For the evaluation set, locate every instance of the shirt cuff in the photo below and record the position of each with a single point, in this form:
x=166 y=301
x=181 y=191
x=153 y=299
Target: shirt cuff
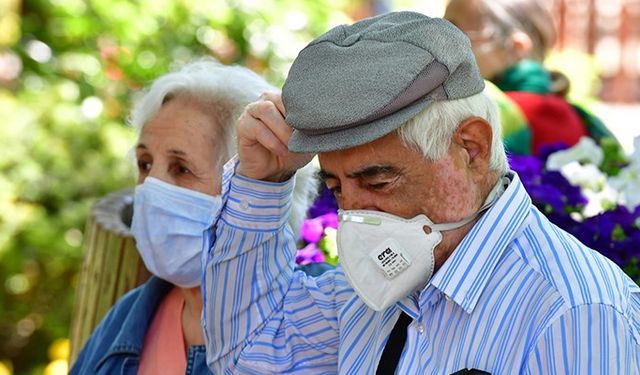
x=254 y=204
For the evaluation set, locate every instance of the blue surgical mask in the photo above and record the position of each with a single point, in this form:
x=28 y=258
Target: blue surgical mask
x=172 y=226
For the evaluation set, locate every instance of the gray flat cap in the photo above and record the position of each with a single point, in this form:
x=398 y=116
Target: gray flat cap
x=357 y=83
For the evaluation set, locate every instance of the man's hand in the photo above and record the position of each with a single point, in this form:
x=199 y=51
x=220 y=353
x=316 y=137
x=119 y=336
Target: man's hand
x=262 y=142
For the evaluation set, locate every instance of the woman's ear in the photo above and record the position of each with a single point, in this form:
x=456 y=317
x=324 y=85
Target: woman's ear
x=475 y=137
x=522 y=44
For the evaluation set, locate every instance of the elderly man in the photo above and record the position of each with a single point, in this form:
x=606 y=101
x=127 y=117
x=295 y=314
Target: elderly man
x=446 y=266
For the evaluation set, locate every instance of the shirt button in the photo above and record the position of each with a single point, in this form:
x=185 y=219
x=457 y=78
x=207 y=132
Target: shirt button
x=447 y=298
x=244 y=204
x=420 y=328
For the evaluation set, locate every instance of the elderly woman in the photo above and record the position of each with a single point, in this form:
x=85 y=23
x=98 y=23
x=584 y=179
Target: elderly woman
x=186 y=134
x=510 y=39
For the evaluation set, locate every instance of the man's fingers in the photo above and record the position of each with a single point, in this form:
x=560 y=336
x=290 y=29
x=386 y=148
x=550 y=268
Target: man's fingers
x=252 y=131
x=276 y=99
x=265 y=136
x=267 y=112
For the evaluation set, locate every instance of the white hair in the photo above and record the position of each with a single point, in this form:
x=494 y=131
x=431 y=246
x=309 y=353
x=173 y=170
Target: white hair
x=227 y=90
x=432 y=129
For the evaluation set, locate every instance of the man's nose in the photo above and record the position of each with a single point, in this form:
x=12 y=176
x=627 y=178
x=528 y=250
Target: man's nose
x=354 y=198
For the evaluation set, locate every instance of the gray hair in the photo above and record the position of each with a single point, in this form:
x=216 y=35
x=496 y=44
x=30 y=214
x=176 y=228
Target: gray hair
x=504 y=17
x=432 y=129
x=227 y=89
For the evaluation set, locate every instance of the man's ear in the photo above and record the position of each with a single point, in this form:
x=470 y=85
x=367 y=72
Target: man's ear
x=474 y=135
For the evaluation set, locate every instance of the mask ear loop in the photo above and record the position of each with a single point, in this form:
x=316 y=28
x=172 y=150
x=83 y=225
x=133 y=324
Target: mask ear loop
x=492 y=198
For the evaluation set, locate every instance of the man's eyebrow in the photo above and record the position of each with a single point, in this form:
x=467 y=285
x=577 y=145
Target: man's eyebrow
x=374 y=170
x=324 y=175
x=141 y=146
x=370 y=171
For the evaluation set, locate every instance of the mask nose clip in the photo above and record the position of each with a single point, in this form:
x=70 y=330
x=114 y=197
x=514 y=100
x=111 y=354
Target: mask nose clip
x=361 y=219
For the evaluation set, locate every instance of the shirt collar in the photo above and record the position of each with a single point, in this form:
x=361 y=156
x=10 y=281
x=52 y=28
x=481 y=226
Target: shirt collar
x=464 y=276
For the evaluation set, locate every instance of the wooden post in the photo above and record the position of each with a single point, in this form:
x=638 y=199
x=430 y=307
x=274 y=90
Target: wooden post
x=111 y=266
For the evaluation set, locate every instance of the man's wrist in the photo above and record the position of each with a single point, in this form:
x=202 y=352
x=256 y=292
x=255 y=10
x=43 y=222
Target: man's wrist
x=277 y=178
x=258 y=204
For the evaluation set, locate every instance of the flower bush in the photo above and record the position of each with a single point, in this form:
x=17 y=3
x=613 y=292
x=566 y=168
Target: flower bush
x=317 y=242
x=591 y=191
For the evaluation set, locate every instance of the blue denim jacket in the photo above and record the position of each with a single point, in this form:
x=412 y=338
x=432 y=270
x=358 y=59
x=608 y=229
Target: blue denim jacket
x=116 y=344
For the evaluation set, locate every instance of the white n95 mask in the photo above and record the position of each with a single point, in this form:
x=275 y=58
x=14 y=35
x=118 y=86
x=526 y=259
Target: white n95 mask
x=172 y=226
x=386 y=257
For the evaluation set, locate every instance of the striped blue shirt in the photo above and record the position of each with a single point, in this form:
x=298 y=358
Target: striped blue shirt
x=517 y=296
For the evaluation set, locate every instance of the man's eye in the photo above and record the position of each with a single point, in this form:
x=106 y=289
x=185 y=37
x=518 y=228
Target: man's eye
x=377 y=185
x=183 y=170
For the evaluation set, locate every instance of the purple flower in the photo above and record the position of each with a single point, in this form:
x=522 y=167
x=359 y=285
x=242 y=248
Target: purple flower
x=585 y=231
x=550 y=148
x=566 y=222
x=312 y=230
x=309 y=254
x=324 y=203
x=529 y=168
x=624 y=217
x=321 y=215
x=604 y=224
x=329 y=220
x=572 y=194
x=632 y=246
x=547 y=198
x=613 y=233
x=550 y=191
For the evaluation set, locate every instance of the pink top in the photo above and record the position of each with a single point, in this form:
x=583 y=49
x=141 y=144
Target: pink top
x=163 y=350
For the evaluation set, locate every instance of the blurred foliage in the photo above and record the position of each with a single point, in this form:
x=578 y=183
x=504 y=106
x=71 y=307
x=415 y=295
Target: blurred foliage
x=68 y=69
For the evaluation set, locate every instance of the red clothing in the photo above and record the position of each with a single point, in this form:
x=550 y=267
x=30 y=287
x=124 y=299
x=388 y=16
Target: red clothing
x=551 y=118
x=163 y=350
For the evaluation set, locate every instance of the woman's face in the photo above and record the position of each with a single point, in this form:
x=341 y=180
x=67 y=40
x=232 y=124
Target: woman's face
x=492 y=56
x=182 y=146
